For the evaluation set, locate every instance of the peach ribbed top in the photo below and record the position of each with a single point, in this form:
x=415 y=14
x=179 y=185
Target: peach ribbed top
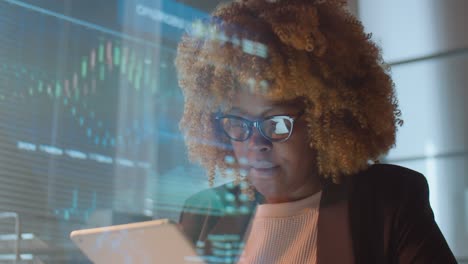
x=283 y=233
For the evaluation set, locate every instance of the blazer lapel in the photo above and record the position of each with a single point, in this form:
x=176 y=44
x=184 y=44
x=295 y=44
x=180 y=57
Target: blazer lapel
x=334 y=242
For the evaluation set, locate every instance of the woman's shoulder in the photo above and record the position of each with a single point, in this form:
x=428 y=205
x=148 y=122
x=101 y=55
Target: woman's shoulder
x=403 y=194
x=394 y=185
x=389 y=176
x=391 y=172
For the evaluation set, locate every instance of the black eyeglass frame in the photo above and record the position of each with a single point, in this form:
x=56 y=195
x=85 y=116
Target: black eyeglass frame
x=256 y=124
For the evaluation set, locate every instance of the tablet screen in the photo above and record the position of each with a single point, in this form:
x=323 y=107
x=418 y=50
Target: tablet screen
x=158 y=241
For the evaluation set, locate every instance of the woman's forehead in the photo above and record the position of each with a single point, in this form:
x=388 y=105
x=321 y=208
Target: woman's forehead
x=250 y=104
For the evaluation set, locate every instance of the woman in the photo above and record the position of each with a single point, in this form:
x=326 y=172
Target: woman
x=291 y=99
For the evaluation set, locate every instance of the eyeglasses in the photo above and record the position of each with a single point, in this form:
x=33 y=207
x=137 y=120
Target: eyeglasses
x=277 y=128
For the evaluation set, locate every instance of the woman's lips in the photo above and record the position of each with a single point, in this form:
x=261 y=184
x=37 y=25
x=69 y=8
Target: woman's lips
x=265 y=170
x=263 y=174
x=262 y=164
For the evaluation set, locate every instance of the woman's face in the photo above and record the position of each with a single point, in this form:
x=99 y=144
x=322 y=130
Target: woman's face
x=280 y=171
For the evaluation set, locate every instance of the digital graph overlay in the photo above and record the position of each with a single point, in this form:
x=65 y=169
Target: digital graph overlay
x=62 y=86
x=84 y=83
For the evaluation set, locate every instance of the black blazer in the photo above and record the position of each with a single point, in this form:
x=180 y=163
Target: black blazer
x=381 y=215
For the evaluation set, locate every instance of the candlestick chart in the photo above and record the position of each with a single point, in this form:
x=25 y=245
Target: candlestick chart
x=78 y=106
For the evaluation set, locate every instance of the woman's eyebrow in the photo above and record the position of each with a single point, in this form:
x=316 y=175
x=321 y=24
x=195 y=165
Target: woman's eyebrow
x=279 y=108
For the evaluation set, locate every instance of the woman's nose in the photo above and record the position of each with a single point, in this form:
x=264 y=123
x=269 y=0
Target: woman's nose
x=257 y=142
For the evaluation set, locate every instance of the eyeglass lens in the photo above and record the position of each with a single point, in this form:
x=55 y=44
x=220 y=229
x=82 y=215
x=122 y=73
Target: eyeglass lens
x=274 y=128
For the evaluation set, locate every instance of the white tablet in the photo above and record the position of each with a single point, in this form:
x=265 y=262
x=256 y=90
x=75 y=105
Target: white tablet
x=158 y=241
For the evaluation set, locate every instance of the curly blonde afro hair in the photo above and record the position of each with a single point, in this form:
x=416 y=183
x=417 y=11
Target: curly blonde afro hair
x=284 y=50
